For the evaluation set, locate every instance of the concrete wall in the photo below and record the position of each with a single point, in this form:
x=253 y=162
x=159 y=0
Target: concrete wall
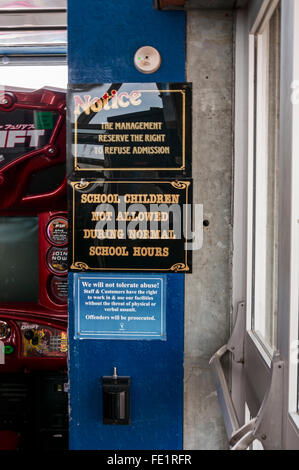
x=207 y=305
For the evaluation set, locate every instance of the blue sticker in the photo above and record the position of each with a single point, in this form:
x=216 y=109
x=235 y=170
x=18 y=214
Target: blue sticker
x=121 y=306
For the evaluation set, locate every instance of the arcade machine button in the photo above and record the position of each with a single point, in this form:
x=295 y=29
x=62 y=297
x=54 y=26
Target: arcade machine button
x=8 y=349
x=35 y=341
x=29 y=334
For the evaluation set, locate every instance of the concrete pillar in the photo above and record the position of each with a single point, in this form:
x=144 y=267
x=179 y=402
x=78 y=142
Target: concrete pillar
x=207 y=305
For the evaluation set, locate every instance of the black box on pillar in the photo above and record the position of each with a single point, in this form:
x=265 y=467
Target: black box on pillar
x=116 y=399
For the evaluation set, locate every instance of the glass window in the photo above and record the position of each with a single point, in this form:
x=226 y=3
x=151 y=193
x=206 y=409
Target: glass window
x=265 y=236
x=33 y=76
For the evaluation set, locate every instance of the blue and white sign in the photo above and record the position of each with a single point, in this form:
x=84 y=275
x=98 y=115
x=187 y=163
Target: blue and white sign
x=121 y=306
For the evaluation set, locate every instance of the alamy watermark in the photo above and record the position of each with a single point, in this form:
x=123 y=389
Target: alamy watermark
x=294 y=352
x=295 y=92
x=136 y=222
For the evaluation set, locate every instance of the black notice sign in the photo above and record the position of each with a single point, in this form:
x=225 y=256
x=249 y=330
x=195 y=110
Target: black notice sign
x=131 y=130
x=131 y=226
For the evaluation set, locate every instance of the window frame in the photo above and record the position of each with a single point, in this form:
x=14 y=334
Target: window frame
x=289 y=230
x=257 y=357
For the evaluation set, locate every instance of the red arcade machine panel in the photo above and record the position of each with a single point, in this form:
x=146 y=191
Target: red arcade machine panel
x=32 y=345
x=33 y=272
x=33 y=228
x=32 y=148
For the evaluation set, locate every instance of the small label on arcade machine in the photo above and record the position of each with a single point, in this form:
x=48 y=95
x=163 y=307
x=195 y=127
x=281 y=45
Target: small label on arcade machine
x=59 y=289
x=57 y=260
x=57 y=231
x=44 y=120
x=42 y=341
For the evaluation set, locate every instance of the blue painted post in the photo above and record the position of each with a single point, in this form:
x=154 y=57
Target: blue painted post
x=103 y=38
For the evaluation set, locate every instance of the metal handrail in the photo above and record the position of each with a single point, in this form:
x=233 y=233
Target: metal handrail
x=235 y=345
x=229 y=413
x=266 y=426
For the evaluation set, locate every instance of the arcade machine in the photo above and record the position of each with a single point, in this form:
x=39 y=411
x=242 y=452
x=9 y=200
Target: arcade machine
x=33 y=270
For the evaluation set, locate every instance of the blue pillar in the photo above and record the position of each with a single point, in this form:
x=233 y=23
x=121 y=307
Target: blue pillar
x=103 y=38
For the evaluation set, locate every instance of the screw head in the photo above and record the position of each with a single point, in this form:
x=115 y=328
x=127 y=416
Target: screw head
x=51 y=150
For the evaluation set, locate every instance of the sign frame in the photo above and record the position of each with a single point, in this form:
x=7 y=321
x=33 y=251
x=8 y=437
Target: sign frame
x=159 y=334
x=183 y=169
x=180 y=266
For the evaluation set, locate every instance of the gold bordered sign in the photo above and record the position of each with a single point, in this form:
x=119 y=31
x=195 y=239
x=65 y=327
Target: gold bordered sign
x=125 y=129
x=131 y=225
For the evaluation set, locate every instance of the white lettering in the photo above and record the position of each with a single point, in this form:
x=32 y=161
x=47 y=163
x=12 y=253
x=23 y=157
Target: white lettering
x=15 y=137
x=9 y=139
x=34 y=137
